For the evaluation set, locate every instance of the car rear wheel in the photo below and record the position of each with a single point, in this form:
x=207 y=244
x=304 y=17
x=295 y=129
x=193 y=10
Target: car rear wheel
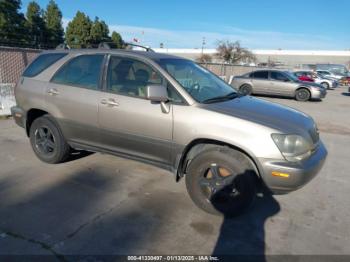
x=47 y=141
x=302 y=94
x=325 y=85
x=245 y=90
x=221 y=181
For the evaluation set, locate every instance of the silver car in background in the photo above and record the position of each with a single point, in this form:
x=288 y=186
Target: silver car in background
x=280 y=83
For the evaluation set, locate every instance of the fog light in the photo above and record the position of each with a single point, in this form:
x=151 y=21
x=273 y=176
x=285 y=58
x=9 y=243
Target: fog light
x=284 y=175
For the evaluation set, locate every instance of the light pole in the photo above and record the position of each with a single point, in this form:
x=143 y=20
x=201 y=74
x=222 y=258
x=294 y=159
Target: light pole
x=203 y=44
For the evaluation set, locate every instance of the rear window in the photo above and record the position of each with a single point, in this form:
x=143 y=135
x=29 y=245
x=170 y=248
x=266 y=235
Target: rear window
x=41 y=63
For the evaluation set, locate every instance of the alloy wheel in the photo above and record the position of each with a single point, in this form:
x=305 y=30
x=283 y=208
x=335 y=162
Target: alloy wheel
x=45 y=141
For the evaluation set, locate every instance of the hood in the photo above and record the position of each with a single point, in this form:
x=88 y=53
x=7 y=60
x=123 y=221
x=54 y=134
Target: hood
x=282 y=118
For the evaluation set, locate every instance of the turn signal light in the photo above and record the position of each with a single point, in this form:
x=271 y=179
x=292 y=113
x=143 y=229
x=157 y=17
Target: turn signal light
x=284 y=175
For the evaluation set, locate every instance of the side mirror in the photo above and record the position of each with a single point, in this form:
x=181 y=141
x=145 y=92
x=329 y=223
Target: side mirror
x=157 y=93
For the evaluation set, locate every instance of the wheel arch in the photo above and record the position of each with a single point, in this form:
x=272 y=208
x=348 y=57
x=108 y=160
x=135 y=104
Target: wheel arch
x=246 y=84
x=198 y=145
x=33 y=114
x=302 y=87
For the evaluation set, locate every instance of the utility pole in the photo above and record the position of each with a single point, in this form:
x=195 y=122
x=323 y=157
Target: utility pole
x=203 y=44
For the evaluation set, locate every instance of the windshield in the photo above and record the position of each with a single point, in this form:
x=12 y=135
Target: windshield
x=201 y=84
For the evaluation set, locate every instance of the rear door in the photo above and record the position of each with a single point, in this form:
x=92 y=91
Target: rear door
x=73 y=96
x=261 y=82
x=130 y=124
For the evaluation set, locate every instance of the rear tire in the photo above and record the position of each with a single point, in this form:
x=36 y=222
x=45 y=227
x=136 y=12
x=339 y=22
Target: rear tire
x=245 y=90
x=47 y=141
x=302 y=94
x=221 y=181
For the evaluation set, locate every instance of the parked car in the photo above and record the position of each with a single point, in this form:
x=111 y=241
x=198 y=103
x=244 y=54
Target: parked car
x=317 y=78
x=276 y=82
x=169 y=112
x=339 y=70
x=329 y=74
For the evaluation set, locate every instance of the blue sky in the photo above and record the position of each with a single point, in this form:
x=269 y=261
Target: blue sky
x=258 y=24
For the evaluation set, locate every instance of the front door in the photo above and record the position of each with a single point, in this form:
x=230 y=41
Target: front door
x=130 y=124
x=282 y=84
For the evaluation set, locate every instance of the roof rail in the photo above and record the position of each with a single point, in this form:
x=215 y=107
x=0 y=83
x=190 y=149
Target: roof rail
x=62 y=47
x=148 y=49
x=111 y=45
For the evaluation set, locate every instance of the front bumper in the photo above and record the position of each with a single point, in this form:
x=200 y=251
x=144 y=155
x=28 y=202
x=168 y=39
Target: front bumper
x=300 y=173
x=318 y=94
x=19 y=116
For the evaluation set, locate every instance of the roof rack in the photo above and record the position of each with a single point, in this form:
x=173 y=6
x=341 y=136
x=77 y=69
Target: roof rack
x=62 y=47
x=111 y=45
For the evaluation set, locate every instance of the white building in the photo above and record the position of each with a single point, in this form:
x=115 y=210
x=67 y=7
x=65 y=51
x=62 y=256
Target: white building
x=287 y=57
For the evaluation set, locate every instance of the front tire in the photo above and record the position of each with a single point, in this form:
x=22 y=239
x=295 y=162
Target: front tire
x=302 y=94
x=47 y=141
x=325 y=85
x=221 y=181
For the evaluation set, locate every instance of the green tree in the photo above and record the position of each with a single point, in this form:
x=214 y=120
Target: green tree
x=53 y=21
x=99 y=32
x=35 y=24
x=78 y=31
x=12 y=22
x=117 y=40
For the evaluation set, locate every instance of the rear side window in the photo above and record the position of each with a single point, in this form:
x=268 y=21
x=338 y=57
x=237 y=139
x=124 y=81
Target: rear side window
x=261 y=75
x=82 y=71
x=41 y=63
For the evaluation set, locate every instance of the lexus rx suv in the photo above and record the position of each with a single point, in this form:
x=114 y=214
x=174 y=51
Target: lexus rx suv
x=171 y=113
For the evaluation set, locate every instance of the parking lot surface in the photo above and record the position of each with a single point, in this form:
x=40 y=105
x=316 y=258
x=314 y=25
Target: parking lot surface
x=101 y=204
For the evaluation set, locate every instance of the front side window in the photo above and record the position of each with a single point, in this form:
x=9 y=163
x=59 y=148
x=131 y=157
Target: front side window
x=83 y=71
x=41 y=63
x=131 y=77
x=127 y=76
x=279 y=76
x=201 y=84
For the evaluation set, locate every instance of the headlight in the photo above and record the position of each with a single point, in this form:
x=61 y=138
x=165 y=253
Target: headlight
x=293 y=147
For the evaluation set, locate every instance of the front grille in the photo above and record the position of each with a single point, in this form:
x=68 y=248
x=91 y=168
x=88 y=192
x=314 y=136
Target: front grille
x=315 y=136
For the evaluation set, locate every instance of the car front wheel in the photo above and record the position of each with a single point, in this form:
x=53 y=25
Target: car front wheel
x=325 y=85
x=221 y=181
x=302 y=94
x=47 y=141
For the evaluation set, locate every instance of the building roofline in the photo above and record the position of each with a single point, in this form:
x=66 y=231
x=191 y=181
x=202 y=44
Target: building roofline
x=257 y=52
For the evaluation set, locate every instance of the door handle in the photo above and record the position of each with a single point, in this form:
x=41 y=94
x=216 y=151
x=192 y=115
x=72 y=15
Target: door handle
x=109 y=102
x=53 y=92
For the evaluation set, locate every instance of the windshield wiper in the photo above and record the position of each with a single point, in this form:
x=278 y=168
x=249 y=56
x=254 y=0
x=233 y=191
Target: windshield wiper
x=221 y=98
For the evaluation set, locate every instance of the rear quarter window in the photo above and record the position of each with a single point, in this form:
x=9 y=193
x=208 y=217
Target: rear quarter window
x=41 y=63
